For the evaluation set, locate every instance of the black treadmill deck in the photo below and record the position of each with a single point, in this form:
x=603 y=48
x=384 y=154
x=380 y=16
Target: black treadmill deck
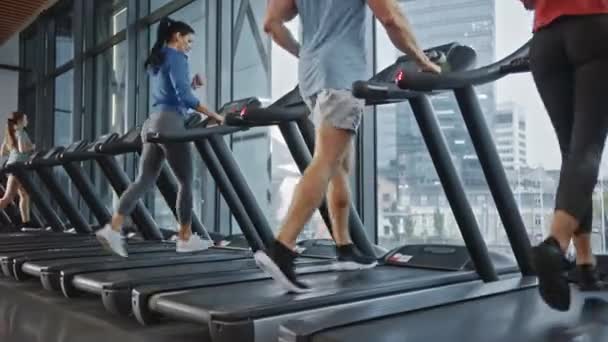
x=517 y=316
x=261 y=298
x=111 y=280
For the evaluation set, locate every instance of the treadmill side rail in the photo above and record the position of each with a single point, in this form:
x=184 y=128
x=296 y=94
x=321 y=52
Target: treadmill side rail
x=304 y=328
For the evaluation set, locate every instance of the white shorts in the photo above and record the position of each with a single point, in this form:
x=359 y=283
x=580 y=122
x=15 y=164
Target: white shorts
x=338 y=108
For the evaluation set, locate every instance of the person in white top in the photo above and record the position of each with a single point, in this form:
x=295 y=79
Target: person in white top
x=18 y=146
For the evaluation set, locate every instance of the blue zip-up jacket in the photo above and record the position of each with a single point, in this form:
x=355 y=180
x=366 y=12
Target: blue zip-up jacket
x=171 y=84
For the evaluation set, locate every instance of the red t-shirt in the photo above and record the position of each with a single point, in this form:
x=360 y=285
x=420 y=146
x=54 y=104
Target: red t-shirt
x=549 y=10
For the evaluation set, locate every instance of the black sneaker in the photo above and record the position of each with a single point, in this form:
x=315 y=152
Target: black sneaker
x=279 y=264
x=350 y=259
x=553 y=285
x=589 y=278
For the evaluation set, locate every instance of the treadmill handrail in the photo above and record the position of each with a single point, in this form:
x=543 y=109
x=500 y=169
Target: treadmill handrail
x=115 y=148
x=192 y=134
x=379 y=93
x=49 y=158
x=424 y=81
x=268 y=116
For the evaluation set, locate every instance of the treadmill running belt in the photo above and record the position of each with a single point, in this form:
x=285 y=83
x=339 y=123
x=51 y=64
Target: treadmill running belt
x=516 y=316
x=97 y=281
x=264 y=298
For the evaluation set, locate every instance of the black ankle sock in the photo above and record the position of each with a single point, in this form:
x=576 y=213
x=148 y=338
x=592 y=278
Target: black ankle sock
x=345 y=248
x=553 y=242
x=279 y=249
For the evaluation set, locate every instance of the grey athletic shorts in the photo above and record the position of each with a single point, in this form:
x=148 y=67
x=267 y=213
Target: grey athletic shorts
x=339 y=108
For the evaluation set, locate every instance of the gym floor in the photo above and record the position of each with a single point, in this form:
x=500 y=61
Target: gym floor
x=30 y=314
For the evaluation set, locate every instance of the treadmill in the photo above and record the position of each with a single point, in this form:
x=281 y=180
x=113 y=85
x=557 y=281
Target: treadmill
x=10 y=219
x=55 y=245
x=388 y=322
x=517 y=316
x=115 y=285
x=252 y=311
x=49 y=249
x=57 y=274
x=242 y=115
x=58 y=233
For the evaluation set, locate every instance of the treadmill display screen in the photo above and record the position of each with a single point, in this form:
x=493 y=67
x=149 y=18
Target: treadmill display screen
x=239 y=105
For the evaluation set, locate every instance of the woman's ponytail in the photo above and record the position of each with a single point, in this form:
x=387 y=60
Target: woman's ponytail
x=163 y=34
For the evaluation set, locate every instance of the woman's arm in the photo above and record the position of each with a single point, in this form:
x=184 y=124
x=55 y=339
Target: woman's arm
x=213 y=115
x=24 y=145
x=179 y=75
x=4 y=148
x=179 y=72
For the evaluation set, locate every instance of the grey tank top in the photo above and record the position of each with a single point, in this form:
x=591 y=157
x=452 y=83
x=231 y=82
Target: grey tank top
x=333 y=53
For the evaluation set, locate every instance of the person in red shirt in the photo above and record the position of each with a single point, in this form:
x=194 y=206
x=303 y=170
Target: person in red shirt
x=569 y=63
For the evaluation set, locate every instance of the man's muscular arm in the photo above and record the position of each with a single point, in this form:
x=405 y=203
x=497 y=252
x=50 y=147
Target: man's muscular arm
x=277 y=14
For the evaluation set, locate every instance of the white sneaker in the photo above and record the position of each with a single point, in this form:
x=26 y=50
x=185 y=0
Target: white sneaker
x=194 y=244
x=112 y=240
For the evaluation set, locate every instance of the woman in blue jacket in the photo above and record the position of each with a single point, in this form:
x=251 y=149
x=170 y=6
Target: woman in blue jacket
x=168 y=68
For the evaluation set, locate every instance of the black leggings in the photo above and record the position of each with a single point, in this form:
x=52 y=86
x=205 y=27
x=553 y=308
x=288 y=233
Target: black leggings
x=569 y=61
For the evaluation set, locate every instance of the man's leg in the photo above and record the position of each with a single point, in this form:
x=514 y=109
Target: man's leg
x=330 y=148
x=338 y=198
x=331 y=144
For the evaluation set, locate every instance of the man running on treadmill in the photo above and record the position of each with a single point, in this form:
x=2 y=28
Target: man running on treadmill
x=332 y=56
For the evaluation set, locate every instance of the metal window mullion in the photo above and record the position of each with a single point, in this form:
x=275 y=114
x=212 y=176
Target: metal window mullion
x=365 y=175
x=131 y=107
x=48 y=119
x=224 y=84
x=77 y=110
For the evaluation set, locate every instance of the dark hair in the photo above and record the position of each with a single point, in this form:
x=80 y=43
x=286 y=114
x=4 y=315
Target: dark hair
x=14 y=120
x=166 y=29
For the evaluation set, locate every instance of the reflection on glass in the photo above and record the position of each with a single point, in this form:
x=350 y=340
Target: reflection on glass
x=64 y=37
x=195 y=14
x=30 y=53
x=29 y=107
x=110 y=18
x=109 y=116
x=63 y=109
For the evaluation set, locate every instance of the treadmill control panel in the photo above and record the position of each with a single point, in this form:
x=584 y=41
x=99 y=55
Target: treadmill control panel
x=239 y=106
x=441 y=257
x=404 y=64
x=521 y=64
